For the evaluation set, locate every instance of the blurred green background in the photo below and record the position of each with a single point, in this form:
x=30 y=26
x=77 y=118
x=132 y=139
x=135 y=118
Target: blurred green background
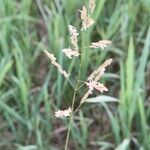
x=31 y=89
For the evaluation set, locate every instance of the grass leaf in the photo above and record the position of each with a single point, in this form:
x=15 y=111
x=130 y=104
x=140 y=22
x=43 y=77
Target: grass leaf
x=101 y=99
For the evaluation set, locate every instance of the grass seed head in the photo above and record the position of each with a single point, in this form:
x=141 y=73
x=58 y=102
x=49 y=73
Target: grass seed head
x=73 y=36
x=100 y=44
x=97 y=74
x=63 y=113
x=86 y=20
x=70 y=53
x=53 y=61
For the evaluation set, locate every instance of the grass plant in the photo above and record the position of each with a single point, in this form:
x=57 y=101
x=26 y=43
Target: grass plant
x=31 y=89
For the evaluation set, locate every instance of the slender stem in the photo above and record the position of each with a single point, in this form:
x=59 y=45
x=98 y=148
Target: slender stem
x=68 y=133
x=77 y=108
x=71 y=120
x=79 y=71
x=81 y=85
x=71 y=84
x=73 y=102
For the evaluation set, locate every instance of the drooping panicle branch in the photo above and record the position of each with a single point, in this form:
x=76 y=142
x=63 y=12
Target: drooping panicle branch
x=53 y=61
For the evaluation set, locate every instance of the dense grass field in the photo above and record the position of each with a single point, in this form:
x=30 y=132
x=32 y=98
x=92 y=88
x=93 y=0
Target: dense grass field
x=31 y=88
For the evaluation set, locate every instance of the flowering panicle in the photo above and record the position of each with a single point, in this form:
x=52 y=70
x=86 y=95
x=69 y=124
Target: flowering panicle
x=63 y=113
x=96 y=75
x=93 y=80
x=70 y=53
x=93 y=85
x=74 y=41
x=100 y=44
x=86 y=20
x=53 y=61
x=73 y=36
x=92 y=5
x=98 y=86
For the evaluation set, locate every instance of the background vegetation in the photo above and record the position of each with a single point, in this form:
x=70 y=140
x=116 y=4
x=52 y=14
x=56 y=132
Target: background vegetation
x=31 y=89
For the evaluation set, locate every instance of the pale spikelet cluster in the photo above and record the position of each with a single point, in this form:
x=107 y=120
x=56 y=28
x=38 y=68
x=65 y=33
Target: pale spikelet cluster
x=86 y=20
x=63 y=113
x=92 y=5
x=70 y=53
x=93 y=80
x=73 y=36
x=53 y=61
x=74 y=41
x=97 y=74
x=100 y=44
x=96 y=85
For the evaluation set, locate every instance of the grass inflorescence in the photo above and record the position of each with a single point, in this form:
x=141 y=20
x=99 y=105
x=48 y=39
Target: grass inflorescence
x=32 y=89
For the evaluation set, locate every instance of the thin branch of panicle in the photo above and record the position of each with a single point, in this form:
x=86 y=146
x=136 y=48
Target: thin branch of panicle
x=53 y=61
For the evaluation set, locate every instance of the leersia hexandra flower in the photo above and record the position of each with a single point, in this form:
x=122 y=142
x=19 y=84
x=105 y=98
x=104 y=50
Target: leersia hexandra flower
x=83 y=13
x=100 y=71
x=63 y=113
x=73 y=36
x=51 y=56
x=91 y=85
x=100 y=44
x=73 y=30
x=98 y=86
x=53 y=61
x=93 y=81
x=70 y=53
x=86 y=20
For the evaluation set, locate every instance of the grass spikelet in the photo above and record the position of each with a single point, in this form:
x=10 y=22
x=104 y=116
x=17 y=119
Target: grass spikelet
x=53 y=61
x=70 y=53
x=63 y=113
x=73 y=36
x=100 y=44
x=86 y=20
